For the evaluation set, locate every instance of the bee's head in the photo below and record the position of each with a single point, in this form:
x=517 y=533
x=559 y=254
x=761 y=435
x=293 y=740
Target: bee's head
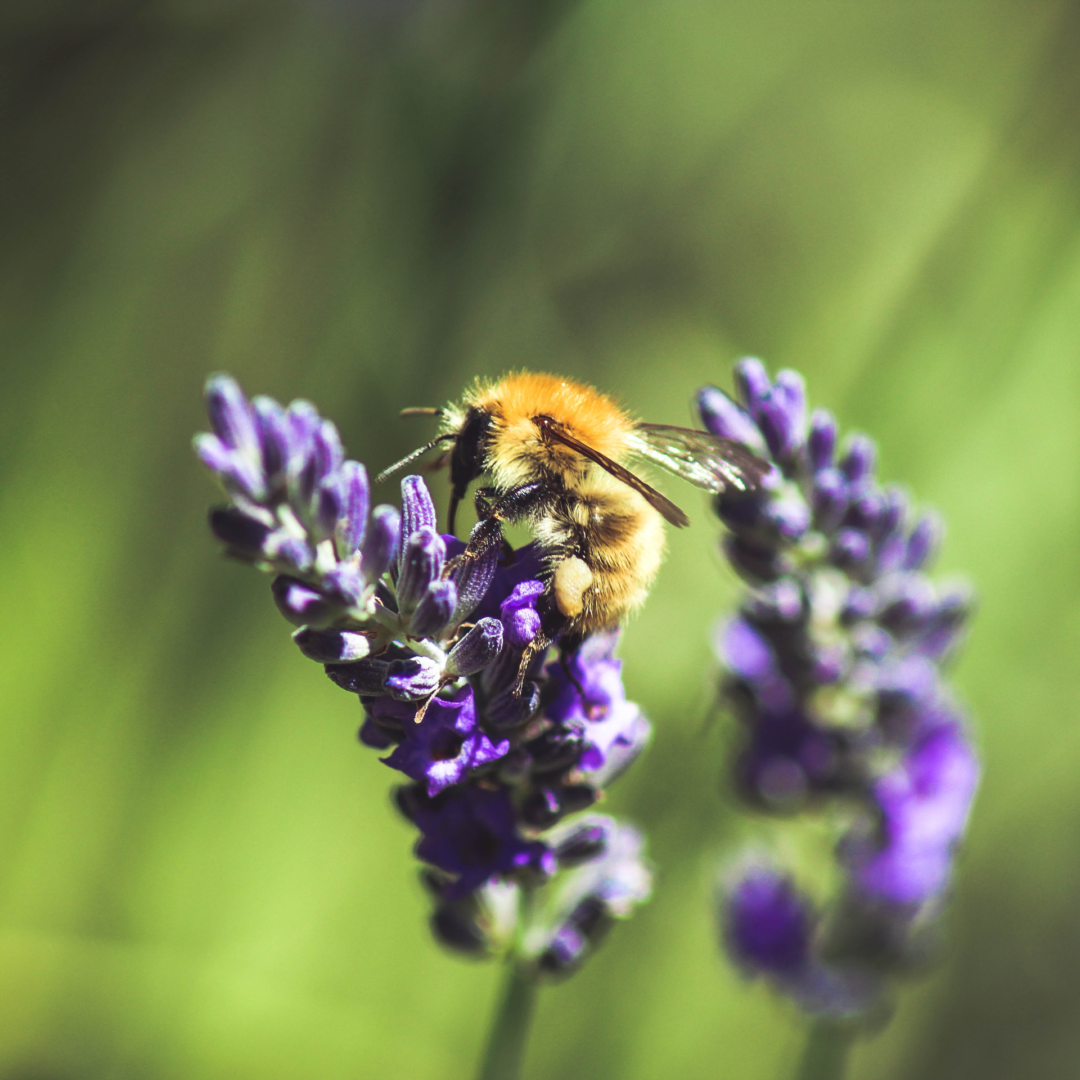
x=468 y=458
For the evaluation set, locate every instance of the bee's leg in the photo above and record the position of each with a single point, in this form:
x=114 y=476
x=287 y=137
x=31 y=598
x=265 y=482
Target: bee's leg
x=493 y=508
x=567 y=647
x=552 y=624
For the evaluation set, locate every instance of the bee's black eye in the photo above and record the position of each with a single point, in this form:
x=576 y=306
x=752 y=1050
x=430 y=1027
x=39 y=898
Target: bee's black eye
x=470 y=450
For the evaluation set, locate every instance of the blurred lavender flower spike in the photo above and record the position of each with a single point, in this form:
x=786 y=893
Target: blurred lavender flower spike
x=604 y=885
x=770 y=930
x=432 y=645
x=834 y=673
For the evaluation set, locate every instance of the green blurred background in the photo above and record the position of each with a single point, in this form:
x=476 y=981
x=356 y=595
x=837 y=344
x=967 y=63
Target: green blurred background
x=366 y=204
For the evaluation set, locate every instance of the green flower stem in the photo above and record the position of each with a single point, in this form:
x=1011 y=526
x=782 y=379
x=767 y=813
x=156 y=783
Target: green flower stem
x=826 y=1052
x=506 y=1044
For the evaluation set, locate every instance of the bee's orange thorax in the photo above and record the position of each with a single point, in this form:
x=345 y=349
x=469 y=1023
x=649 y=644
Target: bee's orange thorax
x=593 y=417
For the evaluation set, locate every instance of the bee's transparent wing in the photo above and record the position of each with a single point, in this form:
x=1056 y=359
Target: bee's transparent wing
x=661 y=503
x=706 y=461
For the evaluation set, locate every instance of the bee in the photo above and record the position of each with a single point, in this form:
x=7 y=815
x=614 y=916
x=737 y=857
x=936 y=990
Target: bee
x=556 y=454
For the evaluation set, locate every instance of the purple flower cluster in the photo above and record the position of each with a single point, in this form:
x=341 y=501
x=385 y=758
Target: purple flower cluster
x=432 y=644
x=833 y=670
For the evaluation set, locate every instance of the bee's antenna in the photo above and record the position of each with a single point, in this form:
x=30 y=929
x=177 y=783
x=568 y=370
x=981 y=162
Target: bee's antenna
x=410 y=458
x=420 y=411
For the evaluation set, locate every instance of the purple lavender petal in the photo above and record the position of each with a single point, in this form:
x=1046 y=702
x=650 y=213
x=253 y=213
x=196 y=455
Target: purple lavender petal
x=570 y=942
x=753 y=561
x=332 y=646
x=473 y=578
x=433 y=613
x=422 y=560
x=786 y=758
x=557 y=748
x=790 y=387
x=472 y=833
x=301 y=421
x=344 y=584
x=596 y=671
x=476 y=649
x=894 y=513
x=546 y=805
x=585 y=841
x=722 y=417
x=605 y=887
x=781 y=415
x=865 y=510
x=289 y=550
x=890 y=553
x=859 y=458
x=328 y=505
x=780 y=601
x=745 y=651
x=301 y=603
x=821 y=441
x=870 y=640
x=614 y=743
x=943 y=627
x=907 y=602
x=923 y=542
x=860 y=603
x=413 y=678
x=908 y=683
x=767 y=923
x=830 y=664
x=788 y=516
x=924 y=807
x=326 y=450
x=740 y=513
x=376 y=736
x=527 y=563
x=366 y=677
x=380 y=548
x=446 y=744
x=239 y=531
x=215 y=454
x=417 y=509
x=850 y=549
x=231 y=417
x=273 y=438
x=352 y=521
x=509 y=710
x=520 y=619
x=752 y=384
x=235 y=469
x=830 y=499
x=774 y=422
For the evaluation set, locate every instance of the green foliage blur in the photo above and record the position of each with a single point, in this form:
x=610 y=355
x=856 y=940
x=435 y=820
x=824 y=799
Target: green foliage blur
x=368 y=203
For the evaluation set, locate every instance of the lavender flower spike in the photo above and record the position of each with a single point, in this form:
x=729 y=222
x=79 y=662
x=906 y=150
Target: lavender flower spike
x=432 y=645
x=833 y=672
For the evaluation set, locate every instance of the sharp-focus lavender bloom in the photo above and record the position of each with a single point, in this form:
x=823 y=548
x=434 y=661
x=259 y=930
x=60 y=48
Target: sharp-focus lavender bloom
x=432 y=644
x=445 y=745
x=833 y=670
x=472 y=833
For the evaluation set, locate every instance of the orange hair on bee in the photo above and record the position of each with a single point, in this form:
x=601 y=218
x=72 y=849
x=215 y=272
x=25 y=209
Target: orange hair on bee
x=514 y=400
